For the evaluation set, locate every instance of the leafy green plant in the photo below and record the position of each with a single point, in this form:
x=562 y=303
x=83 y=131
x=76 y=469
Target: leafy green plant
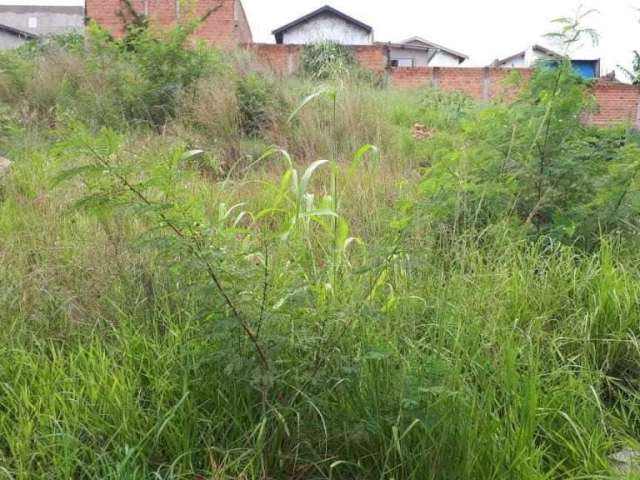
x=173 y=308
x=257 y=103
x=328 y=60
x=532 y=161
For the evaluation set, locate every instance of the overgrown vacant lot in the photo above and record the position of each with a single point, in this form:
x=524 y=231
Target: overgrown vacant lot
x=207 y=272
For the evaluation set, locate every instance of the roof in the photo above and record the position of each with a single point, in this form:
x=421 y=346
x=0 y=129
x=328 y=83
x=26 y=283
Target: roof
x=320 y=11
x=535 y=48
x=544 y=51
x=65 y=9
x=434 y=45
x=17 y=32
x=405 y=46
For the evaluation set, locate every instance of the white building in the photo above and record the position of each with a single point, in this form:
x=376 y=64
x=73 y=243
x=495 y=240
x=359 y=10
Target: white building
x=325 y=25
x=527 y=57
x=418 y=52
x=12 y=37
x=20 y=23
x=588 y=68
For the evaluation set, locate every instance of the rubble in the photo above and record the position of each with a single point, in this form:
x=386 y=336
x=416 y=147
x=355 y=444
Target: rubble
x=626 y=461
x=5 y=165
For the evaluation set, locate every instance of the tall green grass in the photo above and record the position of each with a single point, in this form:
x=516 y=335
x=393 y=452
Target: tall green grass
x=176 y=303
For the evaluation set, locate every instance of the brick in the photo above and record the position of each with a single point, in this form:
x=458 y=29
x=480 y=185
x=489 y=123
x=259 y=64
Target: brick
x=227 y=26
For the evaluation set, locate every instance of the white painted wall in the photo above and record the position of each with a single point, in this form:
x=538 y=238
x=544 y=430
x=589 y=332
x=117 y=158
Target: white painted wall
x=327 y=28
x=444 y=59
x=517 y=62
x=8 y=40
x=43 y=20
x=421 y=58
x=531 y=56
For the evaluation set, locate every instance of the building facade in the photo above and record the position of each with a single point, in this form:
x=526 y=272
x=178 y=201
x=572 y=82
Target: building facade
x=418 y=52
x=226 y=22
x=325 y=25
x=535 y=54
x=20 y=23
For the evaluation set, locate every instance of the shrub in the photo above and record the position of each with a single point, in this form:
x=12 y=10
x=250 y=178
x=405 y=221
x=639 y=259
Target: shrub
x=329 y=60
x=531 y=160
x=258 y=103
x=333 y=61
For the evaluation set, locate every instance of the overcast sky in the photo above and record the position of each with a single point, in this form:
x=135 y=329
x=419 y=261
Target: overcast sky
x=483 y=29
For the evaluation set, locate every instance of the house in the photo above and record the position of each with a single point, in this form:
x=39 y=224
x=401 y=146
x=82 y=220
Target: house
x=225 y=21
x=20 y=23
x=13 y=38
x=587 y=68
x=418 y=52
x=325 y=25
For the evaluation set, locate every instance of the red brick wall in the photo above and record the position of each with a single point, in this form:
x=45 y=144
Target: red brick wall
x=468 y=80
x=282 y=59
x=285 y=58
x=418 y=77
x=373 y=57
x=242 y=30
x=478 y=83
x=615 y=102
x=227 y=26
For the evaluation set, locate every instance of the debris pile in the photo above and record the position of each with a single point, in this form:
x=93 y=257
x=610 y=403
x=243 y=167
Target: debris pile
x=422 y=132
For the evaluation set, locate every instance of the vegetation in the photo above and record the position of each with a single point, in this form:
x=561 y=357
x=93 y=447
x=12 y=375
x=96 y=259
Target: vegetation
x=180 y=298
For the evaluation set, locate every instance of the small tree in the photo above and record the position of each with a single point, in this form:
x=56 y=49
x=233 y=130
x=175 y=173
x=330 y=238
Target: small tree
x=328 y=60
x=635 y=74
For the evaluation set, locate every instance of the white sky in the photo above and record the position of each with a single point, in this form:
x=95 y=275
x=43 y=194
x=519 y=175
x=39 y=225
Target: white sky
x=483 y=29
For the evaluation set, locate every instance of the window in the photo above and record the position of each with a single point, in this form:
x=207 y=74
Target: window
x=33 y=22
x=403 y=62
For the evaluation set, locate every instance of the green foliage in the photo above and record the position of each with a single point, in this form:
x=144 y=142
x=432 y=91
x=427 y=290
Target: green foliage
x=460 y=301
x=167 y=68
x=257 y=103
x=534 y=161
x=140 y=79
x=333 y=61
x=328 y=60
x=634 y=74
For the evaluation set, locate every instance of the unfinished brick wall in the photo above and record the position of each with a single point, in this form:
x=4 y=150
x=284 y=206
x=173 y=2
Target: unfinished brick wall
x=282 y=59
x=242 y=28
x=227 y=26
x=616 y=102
x=285 y=59
x=478 y=83
x=373 y=57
